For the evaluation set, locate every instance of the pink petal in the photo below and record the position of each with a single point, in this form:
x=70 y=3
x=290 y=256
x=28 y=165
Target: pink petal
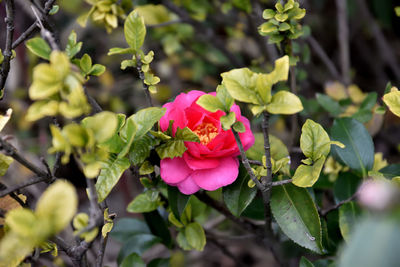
x=200 y=163
x=174 y=170
x=247 y=137
x=212 y=179
x=188 y=186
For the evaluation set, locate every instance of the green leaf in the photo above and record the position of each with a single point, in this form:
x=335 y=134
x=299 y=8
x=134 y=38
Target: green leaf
x=195 y=236
x=177 y=201
x=182 y=241
x=126 y=228
x=391 y=171
x=134 y=30
x=345 y=186
x=238 y=195
x=329 y=104
x=132 y=260
x=39 y=47
x=175 y=147
x=54 y=10
x=348 y=215
x=304 y=262
x=5 y=162
x=158 y=227
x=268 y=14
x=97 y=70
x=127 y=134
x=284 y=102
x=137 y=244
x=86 y=63
x=374 y=242
x=359 y=151
x=98 y=122
x=307 y=176
x=109 y=175
x=76 y=135
x=240 y=84
x=144 y=202
x=228 y=120
x=22 y=221
x=40 y=109
x=284 y=27
x=146 y=118
x=238 y=126
x=72 y=47
x=224 y=97
x=392 y=100
x=297 y=216
x=281 y=17
x=120 y=51
x=140 y=149
x=314 y=140
x=57 y=205
x=210 y=103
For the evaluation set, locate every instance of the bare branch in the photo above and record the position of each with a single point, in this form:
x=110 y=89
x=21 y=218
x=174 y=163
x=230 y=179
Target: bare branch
x=5 y=66
x=334 y=207
x=35 y=26
x=343 y=39
x=283 y=182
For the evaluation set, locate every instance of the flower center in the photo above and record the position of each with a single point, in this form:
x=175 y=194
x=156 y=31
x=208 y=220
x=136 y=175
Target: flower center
x=206 y=132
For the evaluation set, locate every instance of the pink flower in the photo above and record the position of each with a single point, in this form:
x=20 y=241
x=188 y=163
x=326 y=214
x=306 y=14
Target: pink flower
x=213 y=162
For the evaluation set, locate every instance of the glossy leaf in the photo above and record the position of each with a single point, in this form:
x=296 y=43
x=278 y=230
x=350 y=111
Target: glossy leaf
x=314 y=140
x=392 y=100
x=58 y=204
x=307 y=176
x=238 y=195
x=132 y=260
x=39 y=47
x=158 y=227
x=144 y=202
x=359 y=151
x=109 y=176
x=134 y=30
x=329 y=104
x=126 y=228
x=345 y=186
x=210 y=103
x=240 y=84
x=284 y=102
x=137 y=244
x=177 y=201
x=391 y=171
x=297 y=216
x=304 y=262
x=195 y=236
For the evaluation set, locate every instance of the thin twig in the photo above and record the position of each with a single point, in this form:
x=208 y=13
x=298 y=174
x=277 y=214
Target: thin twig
x=224 y=250
x=11 y=151
x=255 y=162
x=320 y=52
x=26 y=34
x=5 y=66
x=244 y=224
x=386 y=51
x=100 y=255
x=334 y=207
x=343 y=39
x=142 y=78
x=46 y=34
x=34 y=180
x=283 y=182
x=294 y=118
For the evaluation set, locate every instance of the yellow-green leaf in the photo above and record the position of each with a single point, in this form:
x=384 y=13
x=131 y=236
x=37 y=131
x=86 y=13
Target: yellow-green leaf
x=284 y=102
x=306 y=176
x=392 y=100
x=40 y=109
x=210 y=103
x=228 y=120
x=58 y=205
x=240 y=84
x=135 y=30
x=104 y=125
x=314 y=140
x=195 y=236
x=5 y=162
x=39 y=47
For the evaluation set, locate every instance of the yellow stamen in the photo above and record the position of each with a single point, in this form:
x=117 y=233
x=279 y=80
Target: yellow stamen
x=206 y=132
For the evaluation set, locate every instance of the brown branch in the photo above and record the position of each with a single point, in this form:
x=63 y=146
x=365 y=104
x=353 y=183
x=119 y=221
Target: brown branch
x=283 y=182
x=384 y=48
x=5 y=66
x=244 y=224
x=320 y=52
x=334 y=207
x=35 y=26
x=343 y=39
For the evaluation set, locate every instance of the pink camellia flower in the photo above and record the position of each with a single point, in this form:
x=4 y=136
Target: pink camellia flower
x=213 y=162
